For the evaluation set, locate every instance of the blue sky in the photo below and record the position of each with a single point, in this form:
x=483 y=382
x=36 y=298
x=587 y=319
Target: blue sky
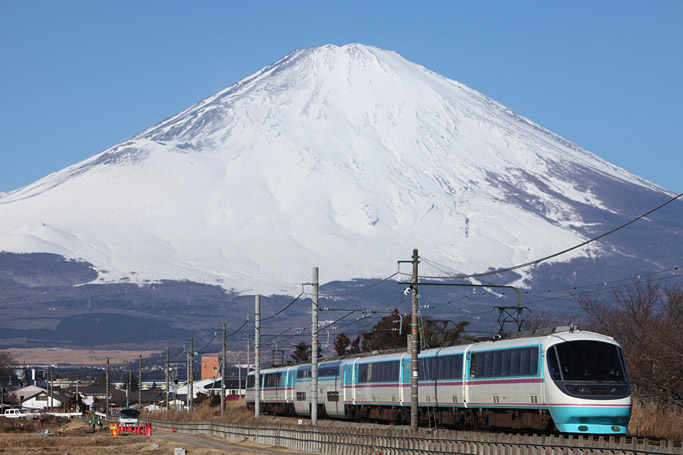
x=78 y=77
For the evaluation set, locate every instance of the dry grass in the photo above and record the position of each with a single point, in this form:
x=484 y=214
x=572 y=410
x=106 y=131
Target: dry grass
x=650 y=420
x=235 y=412
x=73 y=437
x=646 y=421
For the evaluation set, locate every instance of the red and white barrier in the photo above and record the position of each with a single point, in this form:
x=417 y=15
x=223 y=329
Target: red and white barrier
x=143 y=429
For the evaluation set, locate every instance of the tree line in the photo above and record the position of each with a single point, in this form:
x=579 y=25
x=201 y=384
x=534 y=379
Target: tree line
x=646 y=318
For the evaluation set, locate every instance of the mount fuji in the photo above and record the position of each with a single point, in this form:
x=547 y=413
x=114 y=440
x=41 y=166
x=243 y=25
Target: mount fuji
x=345 y=158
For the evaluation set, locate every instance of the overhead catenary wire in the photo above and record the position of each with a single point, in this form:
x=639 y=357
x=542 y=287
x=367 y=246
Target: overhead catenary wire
x=604 y=283
x=554 y=255
x=284 y=309
x=364 y=288
x=606 y=288
x=603 y=286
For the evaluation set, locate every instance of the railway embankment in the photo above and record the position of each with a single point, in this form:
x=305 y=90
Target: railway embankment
x=353 y=439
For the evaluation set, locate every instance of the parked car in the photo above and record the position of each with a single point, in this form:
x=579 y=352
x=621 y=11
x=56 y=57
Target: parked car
x=17 y=413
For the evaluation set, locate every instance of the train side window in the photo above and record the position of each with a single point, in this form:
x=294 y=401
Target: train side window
x=272 y=380
x=363 y=373
x=473 y=365
x=457 y=367
x=488 y=365
x=514 y=362
x=328 y=371
x=425 y=368
x=505 y=363
x=390 y=372
x=378 y=372
x=496 y=362
x=303 y=373
x=524 y=362
x=533 y=361
x=502 y=363
x=443 y=367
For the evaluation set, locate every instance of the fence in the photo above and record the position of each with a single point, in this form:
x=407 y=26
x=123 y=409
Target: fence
x=351 y=440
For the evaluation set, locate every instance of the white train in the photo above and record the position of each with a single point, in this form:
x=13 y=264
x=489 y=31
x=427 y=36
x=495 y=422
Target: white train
x=563 y=379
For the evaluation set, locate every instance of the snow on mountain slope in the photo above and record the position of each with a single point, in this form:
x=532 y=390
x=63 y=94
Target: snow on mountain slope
x=345 y=158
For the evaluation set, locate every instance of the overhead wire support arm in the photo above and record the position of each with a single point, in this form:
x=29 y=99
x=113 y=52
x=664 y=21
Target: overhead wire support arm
x=505 y=313
x=519 y=294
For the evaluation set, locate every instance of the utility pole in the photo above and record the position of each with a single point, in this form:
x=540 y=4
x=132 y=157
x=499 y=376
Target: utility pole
x=130 y=381
x=51 y=388
x=414 y=378
x=191 y=378
x=223 y=376
x=106 y=380
x=187 y=380
x=168 y=374
x=257 y=357
x=140 y=385
x=314 y=349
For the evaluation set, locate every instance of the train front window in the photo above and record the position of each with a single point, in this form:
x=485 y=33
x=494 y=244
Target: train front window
x=588 y=361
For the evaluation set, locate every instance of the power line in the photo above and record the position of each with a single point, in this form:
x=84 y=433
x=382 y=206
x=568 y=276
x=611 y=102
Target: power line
x=537 y=261
x=282 y=310
x=611 y=288
x=605 y=283
x=604 y=286
x=365 y=288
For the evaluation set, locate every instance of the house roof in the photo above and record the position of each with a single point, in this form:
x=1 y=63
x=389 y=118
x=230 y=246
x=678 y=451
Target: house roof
x=28 y=390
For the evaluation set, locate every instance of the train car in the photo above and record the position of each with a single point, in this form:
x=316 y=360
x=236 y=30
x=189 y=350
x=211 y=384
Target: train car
x=329 y=389
x=563 y=379
x=276 y=390
x=374 y=387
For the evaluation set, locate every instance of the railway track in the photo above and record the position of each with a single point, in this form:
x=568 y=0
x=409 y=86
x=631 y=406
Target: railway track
x=356 y=439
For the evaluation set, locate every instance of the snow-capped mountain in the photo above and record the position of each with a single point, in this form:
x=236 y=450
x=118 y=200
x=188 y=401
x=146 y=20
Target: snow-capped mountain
x=345 y=158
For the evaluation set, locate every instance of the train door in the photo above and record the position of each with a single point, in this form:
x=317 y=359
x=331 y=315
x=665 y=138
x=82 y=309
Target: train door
x=347 y=382
x=404 y=378
x=466 y=377
x=289 y=388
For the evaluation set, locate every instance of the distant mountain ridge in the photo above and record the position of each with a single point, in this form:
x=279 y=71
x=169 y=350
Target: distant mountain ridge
x=344 y=158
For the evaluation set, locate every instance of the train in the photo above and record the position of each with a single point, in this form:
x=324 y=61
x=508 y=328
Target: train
x=560 y=379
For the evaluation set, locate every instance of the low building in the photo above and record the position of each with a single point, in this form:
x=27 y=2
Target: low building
x=24 y=393
x=210 y=367
x=41 y=401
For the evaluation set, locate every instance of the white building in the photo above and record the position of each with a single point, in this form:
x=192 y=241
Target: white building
x=40 y=401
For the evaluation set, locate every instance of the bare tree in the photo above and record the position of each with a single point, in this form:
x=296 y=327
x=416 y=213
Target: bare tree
x=6 y=362
x=646 y=320
x=437 y=332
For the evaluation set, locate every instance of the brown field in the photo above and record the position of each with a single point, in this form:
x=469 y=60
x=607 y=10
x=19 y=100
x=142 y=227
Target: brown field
x=75 y=356
x=58 y=437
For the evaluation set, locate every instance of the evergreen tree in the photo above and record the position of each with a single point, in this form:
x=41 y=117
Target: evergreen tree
x=302 y=353
x=341 y=344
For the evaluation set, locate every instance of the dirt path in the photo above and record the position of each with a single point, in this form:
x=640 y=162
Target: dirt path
x=72 y=438
x=232 y=447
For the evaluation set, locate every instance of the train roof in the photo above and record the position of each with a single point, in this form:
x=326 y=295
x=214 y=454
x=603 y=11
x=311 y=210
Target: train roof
x=553 y=335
